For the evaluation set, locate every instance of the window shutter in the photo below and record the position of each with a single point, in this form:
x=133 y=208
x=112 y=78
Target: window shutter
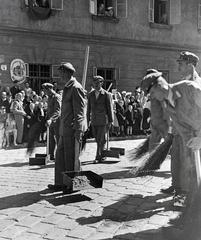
x=175 y=11
x=151 y=11
x=94 y=71
x=27 y=69
x=121 y=8
x=93 y=7
x=199 y=16
x=55 y=71
x=57 y=5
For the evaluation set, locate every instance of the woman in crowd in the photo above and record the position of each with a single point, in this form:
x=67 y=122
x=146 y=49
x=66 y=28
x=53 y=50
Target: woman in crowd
x=19 y=114
x=120 y=112
x=10 y=128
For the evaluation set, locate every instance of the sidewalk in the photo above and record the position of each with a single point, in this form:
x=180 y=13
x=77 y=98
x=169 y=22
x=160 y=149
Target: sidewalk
x=125 y=208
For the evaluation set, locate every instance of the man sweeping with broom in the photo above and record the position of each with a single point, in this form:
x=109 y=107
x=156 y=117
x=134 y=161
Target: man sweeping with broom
x=183 y=104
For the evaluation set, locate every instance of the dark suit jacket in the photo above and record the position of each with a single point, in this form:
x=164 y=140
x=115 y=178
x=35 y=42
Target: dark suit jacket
x=100 y=110
x=73 y=108
x=54 y=109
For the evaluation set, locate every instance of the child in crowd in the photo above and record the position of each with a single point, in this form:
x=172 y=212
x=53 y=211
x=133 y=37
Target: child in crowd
x=129 y=120
x=10 y=127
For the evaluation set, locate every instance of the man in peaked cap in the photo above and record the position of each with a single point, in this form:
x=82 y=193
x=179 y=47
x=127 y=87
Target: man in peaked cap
x=187 y=63
x=99 y=114
x=183 y=104
x=53 y=117
x=72 y=125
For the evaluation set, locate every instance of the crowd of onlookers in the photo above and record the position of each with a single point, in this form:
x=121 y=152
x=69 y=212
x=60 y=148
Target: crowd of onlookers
x=131 y=113
x=21 y=107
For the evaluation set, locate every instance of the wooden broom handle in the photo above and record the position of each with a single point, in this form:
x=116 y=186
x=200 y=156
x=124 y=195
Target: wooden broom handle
x=198 y=165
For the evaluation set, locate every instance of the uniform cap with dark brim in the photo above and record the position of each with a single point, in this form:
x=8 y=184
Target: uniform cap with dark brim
x=47 y=86
x=188 y=57
x=100 y=78
x=67 y=66
x=149 y=80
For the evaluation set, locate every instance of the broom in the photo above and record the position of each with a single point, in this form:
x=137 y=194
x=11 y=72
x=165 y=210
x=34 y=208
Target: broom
x=141 y=150
x=153 y=161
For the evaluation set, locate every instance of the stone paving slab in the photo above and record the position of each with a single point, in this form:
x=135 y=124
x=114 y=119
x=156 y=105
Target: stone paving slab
x=125 y=208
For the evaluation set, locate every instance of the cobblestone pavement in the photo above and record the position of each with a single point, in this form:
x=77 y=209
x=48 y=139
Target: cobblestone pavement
x=125 y=208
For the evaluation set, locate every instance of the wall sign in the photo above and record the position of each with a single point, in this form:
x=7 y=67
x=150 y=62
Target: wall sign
x=18 y=71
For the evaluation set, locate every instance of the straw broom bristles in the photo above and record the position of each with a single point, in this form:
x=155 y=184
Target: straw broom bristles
x=153 y=161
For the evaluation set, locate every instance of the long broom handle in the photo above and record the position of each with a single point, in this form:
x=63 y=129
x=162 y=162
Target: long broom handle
x=107 y=139
x=48 y=141
x=77 y=144
x=86 y=59
x=198 y=165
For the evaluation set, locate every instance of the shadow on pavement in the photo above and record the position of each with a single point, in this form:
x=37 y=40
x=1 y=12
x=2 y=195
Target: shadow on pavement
x=29 y=198
x=151 y=234
x=104 y=162
x=128 y=174
x=132 y=207
x=15 y=164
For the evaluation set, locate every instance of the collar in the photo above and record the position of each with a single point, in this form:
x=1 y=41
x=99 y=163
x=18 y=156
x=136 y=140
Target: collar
x=101 y=91
x=170 y=97
x=69 y=83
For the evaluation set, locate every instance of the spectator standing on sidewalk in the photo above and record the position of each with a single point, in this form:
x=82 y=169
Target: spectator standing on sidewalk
x=72 y=125
x=53 y=117
x=100 y=114
x=19 y=114
x=15 y=89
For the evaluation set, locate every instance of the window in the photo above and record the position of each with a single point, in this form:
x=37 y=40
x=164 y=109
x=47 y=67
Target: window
x=39 y=74
x=165 y=12
x=109 y=74
x=109 y=8
x=52 y=4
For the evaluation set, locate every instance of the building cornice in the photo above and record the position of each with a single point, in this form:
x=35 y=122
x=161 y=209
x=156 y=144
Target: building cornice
x=94 y=39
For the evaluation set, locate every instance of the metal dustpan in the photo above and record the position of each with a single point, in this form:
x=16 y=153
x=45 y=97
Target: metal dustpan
x=110 y=152
x=120 y=150
x=82 y=180
x=41 y=158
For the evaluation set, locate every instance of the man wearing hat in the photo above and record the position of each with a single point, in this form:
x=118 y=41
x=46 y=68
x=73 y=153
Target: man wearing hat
x=99 y=114
x=159 y=119
x=53 y=117
x=72 y=125
x=187 y=63
x=182 y=101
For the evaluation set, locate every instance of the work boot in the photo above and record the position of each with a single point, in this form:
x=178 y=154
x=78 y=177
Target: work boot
x=179 y=200
x=169 y=190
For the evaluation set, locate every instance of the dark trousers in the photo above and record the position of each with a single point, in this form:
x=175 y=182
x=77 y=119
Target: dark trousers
x=67 y=153
x=99 y=134
x=53 y=139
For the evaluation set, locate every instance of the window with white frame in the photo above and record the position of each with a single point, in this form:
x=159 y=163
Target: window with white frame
x=109 y=8
x=165 y=12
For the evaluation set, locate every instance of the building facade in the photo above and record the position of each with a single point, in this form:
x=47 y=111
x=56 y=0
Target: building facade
x=125 y=38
